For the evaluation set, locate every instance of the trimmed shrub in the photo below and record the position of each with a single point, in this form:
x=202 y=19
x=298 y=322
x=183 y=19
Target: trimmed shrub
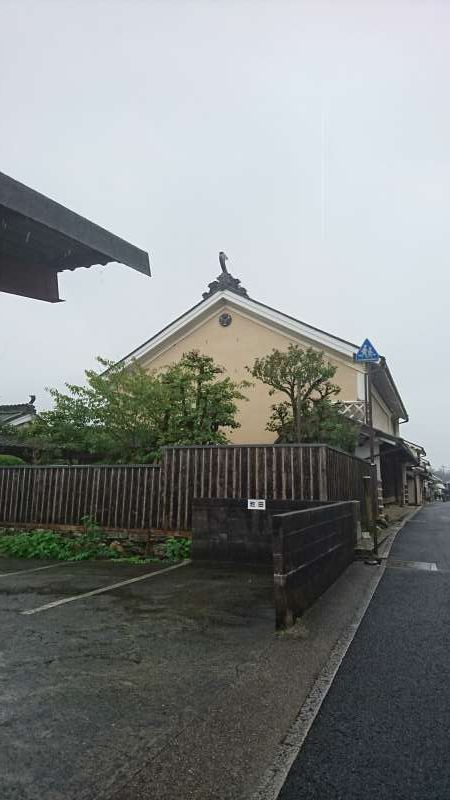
x=10 y=461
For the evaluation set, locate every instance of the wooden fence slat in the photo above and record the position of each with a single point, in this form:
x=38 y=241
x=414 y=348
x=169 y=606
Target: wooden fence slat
x=180 y=471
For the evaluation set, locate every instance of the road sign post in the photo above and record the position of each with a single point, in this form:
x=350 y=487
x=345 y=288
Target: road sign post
x=373 y=474
x=368 y=355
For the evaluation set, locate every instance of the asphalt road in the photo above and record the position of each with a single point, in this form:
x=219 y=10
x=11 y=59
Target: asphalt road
x=383 y=729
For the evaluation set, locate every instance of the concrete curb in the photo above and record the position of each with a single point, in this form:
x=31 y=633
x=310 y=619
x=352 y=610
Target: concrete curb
x=388 y=541
x=387 y=534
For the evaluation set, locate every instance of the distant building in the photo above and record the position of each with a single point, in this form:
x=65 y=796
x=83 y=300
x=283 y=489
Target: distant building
x=18 y=414
x=15 y=416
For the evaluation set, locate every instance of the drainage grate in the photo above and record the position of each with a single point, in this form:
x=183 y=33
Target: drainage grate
x=427 y=566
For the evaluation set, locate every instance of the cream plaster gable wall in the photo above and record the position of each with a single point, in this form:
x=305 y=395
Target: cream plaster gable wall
x=235 y=347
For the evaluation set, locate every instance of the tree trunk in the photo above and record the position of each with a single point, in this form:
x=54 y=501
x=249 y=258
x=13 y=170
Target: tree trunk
x=298 y=417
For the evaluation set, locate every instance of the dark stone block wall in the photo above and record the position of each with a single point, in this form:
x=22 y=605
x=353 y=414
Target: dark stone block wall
x=310 y=550
x=224 y=530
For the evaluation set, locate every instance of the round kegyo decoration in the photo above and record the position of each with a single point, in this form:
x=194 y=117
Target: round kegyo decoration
x=225 y=320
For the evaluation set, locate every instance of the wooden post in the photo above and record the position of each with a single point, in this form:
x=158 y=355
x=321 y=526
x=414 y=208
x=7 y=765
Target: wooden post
x=323 y=484
x=368 y=509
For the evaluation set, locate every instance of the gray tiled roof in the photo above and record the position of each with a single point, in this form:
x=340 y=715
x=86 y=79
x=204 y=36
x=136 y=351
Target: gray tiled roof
x=10 y=413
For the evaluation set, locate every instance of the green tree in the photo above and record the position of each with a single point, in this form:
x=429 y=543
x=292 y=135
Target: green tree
x=201 y=404
x=124 y=414
x=311 y=412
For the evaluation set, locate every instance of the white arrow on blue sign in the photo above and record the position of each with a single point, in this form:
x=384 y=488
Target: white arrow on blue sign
x=367 y=352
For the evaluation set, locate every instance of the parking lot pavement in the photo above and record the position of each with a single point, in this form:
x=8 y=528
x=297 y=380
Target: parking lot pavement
x=171 y=686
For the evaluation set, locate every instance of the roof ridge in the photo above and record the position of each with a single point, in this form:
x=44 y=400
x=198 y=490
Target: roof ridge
x=302 y=322
x=219 y=294
x=14 y=406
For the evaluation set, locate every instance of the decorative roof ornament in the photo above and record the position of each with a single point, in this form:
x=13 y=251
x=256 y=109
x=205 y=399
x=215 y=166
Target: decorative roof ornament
x=223 y=258
x=225 y=281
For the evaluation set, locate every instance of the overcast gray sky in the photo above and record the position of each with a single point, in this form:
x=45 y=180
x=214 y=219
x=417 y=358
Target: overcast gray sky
x=309 y=140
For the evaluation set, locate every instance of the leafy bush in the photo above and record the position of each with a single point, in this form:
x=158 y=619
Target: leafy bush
x=88 y=545
x=48 y=544
x=177 y=549
x=10 y=461
x=39 y=544
x=92 y=529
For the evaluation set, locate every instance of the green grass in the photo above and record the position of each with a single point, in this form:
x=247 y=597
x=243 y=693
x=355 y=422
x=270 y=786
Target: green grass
x=137 y=560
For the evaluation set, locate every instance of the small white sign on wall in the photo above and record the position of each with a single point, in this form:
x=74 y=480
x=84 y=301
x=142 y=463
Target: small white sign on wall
x=256 y=505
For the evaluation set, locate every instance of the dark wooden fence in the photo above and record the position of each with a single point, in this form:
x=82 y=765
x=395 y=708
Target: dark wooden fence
x=116 y=497
x=279 y=472
x=345 y=476
x=142 y=497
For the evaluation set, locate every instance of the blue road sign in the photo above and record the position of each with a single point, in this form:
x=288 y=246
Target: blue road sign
x=367 y=352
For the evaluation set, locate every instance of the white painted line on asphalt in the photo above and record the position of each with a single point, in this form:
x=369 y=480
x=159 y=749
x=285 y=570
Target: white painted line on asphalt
x=103 y=589
x=37 y=569
x=425 y=566
x=293 y=742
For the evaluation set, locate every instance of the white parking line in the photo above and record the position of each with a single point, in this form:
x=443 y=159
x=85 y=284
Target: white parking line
x=109 y=588
x=37 y=569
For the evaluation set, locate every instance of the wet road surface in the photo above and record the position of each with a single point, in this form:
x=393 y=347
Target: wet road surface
x=383 y=729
